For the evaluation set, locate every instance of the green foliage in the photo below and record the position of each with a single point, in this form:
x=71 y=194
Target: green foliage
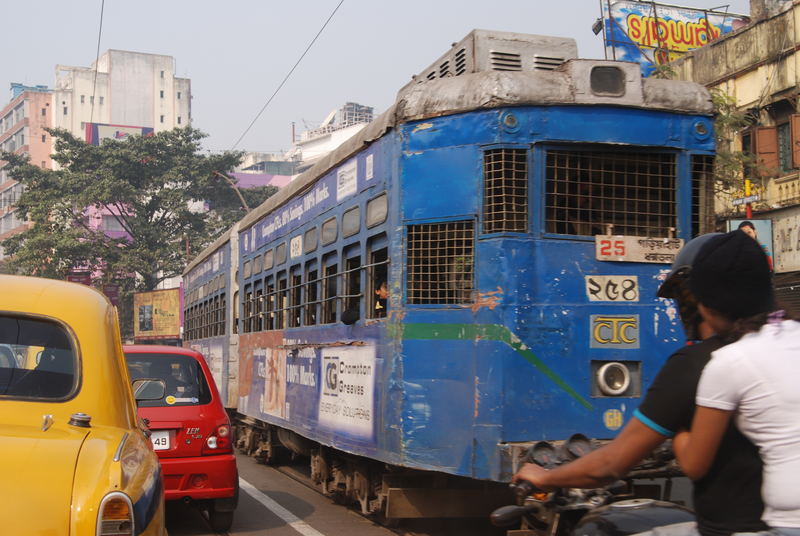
x=730 y=164
x=153 y=185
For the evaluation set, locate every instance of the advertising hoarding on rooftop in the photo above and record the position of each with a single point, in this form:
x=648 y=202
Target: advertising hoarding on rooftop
x=97 y=132
x=653 y=34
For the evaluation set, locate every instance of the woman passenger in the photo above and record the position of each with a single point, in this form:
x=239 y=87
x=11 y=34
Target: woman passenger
x=754 y=380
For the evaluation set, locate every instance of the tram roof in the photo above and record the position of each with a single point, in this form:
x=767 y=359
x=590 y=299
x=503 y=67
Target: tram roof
x=565 y=86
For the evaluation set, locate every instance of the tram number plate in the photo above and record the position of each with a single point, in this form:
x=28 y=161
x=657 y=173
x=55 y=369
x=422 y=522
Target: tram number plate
x=160 y=439
x=612 y=288
x=636 y=249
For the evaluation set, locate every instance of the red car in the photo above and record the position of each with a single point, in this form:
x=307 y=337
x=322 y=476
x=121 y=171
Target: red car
x=190 y=430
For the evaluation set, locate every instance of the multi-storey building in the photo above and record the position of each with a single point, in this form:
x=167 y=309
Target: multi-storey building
x=122 y=88
x=22 y=124
x=759 y=66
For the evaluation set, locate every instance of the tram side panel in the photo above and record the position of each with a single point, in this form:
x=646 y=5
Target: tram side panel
x=329 y=382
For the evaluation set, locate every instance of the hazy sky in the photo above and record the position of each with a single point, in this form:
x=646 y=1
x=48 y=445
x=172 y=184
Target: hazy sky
x=236 y=52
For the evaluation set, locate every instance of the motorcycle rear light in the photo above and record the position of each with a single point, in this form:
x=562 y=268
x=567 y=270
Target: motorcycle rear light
x=116 y=516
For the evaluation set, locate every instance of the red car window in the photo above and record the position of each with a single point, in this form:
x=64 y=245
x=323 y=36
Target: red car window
x=182 y=375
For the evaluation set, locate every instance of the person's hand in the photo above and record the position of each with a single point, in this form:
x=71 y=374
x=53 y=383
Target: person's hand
x=534 y=474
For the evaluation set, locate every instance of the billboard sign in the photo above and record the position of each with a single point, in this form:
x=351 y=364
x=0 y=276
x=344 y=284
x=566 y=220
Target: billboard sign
x=653 y=34
x=97 y=132
x=763 y=235
x=156 y=314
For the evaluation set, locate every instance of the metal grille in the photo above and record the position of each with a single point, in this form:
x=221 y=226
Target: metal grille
x=702 y=194
x=610 y=192
x=505 y=61
x=505 y=190
x=440 y=262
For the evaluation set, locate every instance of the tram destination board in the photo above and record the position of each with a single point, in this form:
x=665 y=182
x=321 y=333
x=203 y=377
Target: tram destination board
x=636 y=249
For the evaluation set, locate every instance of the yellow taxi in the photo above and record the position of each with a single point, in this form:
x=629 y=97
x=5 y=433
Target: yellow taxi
x=74 y=458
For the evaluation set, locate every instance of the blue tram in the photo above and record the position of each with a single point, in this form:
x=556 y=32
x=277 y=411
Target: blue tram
x=473 y=272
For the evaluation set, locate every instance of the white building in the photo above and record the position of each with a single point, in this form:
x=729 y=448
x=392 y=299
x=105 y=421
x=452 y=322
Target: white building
x=129 y=89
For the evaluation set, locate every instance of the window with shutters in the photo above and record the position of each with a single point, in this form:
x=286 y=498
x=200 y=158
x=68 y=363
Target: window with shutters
x=767 y=150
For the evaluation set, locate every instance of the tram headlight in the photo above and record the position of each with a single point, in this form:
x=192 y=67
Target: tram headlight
x=613 y=378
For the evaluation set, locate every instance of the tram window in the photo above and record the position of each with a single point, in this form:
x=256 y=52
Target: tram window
x=269 y=259
x=702 y=194
x=295 y=294
x=592 y=192
x=280 y=254
x=269 y=304
x=329 y=231
x=440 y=262
x=378 y=276
x=329 y=290
x=258 y=307
x=221 y=316
x=352 y=286
x=247 y=269
x=257 y=264
x=312 y=297
x=235 y=319
x=281 y=302
x=505 y=190
x=310 y=240
x=248 y=308
x=351 y=222
x=377 y=209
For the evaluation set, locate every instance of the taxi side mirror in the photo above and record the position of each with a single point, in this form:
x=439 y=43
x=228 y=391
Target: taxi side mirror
x=149 y=389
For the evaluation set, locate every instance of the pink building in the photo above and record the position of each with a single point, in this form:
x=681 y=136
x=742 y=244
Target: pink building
x=22 y=124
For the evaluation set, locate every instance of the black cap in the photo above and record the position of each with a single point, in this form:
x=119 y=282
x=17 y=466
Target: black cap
x=731 y=275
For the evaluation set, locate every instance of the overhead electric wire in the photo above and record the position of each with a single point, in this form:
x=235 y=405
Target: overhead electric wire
x=97 y=59
x=287 y=76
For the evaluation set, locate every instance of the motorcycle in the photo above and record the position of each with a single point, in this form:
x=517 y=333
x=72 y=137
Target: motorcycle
x=608 y=511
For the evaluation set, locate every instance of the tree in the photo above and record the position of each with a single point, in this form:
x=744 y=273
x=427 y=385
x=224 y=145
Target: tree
x=730 y=164
x=153 y=187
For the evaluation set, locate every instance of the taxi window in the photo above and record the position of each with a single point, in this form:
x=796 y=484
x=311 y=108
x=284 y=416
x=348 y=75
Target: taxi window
x=182 y=375
x=37 y=359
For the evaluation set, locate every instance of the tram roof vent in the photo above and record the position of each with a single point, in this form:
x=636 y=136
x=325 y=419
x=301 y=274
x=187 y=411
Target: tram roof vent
x=486 y=50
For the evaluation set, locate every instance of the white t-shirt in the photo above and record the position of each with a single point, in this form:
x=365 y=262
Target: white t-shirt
x=758 y=376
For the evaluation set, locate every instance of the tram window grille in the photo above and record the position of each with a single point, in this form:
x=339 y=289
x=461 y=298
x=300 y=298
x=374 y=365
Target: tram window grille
x=440 y=262
x=505 y=190
x=329 y=292
x=312 y=299
x=235 y=319
x=617 y=192
x=352 y=285
x=702 y=194
x=248 y=308
x=221 y=315
x=378 y=275
x=207 y=319
x=280 y=306
x=258 y=312
x=295 y=309
x=270 y=307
